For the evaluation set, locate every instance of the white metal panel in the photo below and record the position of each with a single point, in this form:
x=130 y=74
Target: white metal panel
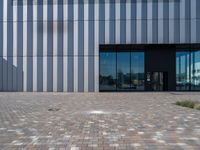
x=65 y=48
x=55 y=45
x=35 y=46
x=75 y=45
x=117 y=22
x=107 y=22
x=5 y=5
x=96 y=36
x=128 y=21
x=86 y=44
x=25 y=46
x=44 y=47
x=150 y=21
x=171 y=21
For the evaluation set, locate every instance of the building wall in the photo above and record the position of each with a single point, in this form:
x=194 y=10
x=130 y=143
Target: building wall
x=54 y=46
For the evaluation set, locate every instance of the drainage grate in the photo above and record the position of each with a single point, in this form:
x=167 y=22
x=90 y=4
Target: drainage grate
x=53 y=109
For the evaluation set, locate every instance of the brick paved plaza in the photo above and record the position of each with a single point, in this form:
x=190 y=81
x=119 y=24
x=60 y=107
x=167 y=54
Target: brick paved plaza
x=109 y=121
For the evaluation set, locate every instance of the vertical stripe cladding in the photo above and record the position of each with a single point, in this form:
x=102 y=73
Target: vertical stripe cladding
x=53 y=46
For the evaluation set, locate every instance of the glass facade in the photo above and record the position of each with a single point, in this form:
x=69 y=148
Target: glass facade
x=195 y=70
x=121 y=71
x=108 y=71
x=188 y=70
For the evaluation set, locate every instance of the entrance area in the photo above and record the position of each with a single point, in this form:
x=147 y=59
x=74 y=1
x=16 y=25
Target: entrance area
x=153 y=67
x=159 y=81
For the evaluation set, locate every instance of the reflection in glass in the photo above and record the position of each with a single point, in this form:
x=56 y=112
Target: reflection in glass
x=182 y=70
x=108 y=71
x=137 y=70
x=195 y=70
x=123 y=70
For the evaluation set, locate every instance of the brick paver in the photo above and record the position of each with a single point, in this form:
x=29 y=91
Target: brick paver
x=98 y=121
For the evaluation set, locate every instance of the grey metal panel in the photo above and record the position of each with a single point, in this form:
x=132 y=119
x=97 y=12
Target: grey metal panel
x=176 y=31
x=123 y=10
x=182 y=31
x=91 y=9
x=1 y=10
x=40 y=11
x=81 y=38
x=193 y=31
x=198 y=31
x=1 y=38
x=50 y=38
x=155 y=9
x=133 y=22
x=50 y=11
x=102 y=10
x=10 y=39
x=176 y=9
x=1 y=30
x=197 y=9
x=60 y=31
x=20 y=11
x=39 y=74
x=101 y=32
x=49 y=74
x=144 y=9
x=1 y=73
x=60 y=74
x=144 y=31
x=29 y=11
x=166 y=9
x=166 y=31
x=29 y=74
x=155 y=31
x=20 y=39
x=122 y=32
x=81 y=74
x=29 y=39
x=20 y=74
x=80 y=11
x=91 y=38
x=70 y=12
x=91 y=74
x=112 y=32
x=9 y=10
x=70 y=74
x=14 y=73
x=60 y=9
x=10 y=73
x=39 y=38
x=112 y=10
x=187 y=9
x=139 y=31
x=70 y=38
x=5 y=73
x=187 y=31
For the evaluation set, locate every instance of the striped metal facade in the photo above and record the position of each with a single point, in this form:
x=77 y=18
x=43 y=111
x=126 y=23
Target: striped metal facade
x=53 y=45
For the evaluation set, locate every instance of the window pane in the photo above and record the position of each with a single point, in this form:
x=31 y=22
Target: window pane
x=195 y=70
x=123 y=70
x=182 y=71
x=108 y=71
x=137 y=71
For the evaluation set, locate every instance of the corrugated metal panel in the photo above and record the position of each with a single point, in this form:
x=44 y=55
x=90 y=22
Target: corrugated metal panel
x=56 y=47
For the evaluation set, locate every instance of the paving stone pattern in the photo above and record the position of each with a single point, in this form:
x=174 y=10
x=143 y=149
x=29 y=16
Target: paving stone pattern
x=98 y=121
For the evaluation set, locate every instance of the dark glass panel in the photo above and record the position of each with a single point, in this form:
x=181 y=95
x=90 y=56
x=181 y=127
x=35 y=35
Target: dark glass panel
x=182 y=71
x=108 y=71
x=195 y=70
x=123 y=70
x=137 y=70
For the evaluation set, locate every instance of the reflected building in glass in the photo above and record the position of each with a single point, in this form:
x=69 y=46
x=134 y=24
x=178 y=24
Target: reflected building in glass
x=99 y=45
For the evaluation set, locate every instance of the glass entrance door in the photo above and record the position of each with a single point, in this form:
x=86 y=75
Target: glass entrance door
x=159 y=81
